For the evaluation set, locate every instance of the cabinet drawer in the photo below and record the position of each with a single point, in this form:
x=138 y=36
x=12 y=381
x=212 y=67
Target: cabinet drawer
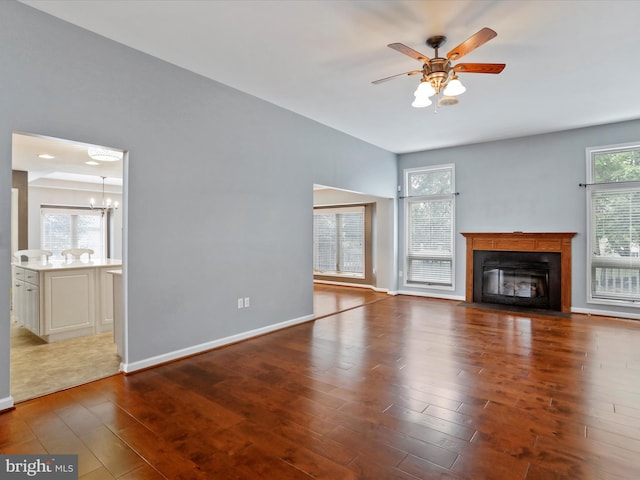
x=18 y=273
x=31 y=276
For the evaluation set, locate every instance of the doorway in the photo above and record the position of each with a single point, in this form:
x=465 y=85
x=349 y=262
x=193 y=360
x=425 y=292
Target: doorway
x=63 y=204
x=342 y=291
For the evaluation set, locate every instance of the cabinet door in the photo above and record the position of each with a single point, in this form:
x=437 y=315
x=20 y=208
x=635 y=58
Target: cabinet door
x=104 y=300
x=32 y=307
x=18 y=301
x=69 y=300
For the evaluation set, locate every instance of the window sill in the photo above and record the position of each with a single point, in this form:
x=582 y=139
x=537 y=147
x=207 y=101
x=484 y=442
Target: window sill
x=426 y=286
x=612 y=302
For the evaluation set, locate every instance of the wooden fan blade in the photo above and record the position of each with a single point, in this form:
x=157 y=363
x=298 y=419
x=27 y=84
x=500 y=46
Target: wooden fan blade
x=479 y=67
x=471 y=43
x=382 y=80
x=399 y=47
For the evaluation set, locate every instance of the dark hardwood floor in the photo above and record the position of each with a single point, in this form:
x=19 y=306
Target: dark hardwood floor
x=400 y=388
x=331 y=299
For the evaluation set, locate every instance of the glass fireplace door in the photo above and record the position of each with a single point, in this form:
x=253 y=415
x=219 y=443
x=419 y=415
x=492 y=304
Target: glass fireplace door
x=517 y=284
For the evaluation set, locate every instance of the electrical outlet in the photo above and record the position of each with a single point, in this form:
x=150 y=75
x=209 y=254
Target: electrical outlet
x=247 y=304
x=240 y=303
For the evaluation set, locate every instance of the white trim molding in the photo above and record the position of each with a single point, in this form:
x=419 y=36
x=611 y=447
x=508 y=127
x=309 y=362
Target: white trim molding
x=6 y=403
x=355 y=285
x=618 y=315
x=443 y=296
x=203 y=347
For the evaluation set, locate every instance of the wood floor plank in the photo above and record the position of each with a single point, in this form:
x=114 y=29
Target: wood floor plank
x=398 y=388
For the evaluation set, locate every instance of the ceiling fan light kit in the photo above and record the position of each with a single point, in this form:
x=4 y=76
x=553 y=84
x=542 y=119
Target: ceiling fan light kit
x=454 y=87
x=425 y=89
x=421 y=102
x=438 y=74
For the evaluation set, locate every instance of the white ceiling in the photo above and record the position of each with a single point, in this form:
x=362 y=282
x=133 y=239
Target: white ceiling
x=68 y=164
x=567 y=60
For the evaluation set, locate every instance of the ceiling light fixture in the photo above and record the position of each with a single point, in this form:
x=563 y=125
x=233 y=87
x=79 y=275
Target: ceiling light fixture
x=104 y=154
x=46 y=156
x=91 y=162
x=439 y=76
x=454 y=87
x=106 y=206
x=446 y=101
x=421 y=102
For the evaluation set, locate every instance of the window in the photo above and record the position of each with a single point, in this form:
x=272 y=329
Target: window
x=613 y=205
x=339 y=241
x=72 y=227
x=430 y=226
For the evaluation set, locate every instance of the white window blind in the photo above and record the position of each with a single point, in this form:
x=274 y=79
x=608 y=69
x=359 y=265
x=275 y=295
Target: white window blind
x=68 y=227
x=338 y=241
x=430 y=226
x=614 y=238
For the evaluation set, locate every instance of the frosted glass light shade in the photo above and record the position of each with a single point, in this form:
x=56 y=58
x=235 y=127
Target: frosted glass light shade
x=454 y=88
x=421 y=102
x=424 y=90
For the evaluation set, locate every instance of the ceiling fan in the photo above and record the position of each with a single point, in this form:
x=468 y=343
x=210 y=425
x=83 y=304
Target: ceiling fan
x=438 y=74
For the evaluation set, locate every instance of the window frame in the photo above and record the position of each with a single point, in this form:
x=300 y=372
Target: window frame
x=593 y=187
x=408 y=199
x=74 y=210
x=368 y=278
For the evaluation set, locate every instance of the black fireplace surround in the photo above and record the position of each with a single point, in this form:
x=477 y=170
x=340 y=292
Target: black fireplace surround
x=520 y=279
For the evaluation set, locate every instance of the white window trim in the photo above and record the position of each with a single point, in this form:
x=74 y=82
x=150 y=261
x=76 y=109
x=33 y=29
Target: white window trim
x=319 y=210
x=408 y=199
x=73 y=210
x=591 y=185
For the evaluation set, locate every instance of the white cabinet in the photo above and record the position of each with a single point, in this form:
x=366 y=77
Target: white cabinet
x=26 y=298
x=69 y=304
x=62 y=301
x=105 y=312
x=32 y=307
x=18 y=300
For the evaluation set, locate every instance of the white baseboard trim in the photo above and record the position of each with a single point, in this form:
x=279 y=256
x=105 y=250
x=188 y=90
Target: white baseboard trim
x=444 y=296
x=356 y=285
x=203 y=347
x=607 y=313
x=6 y=403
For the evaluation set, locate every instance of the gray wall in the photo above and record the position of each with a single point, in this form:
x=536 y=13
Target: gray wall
x=525 y=184
x=238 y=221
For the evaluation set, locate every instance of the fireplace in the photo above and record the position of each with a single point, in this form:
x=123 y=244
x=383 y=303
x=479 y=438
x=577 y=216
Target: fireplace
x=524 y=270
x=521 y=279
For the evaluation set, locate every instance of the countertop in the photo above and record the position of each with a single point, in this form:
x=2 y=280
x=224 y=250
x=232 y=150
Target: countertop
x=61 y=264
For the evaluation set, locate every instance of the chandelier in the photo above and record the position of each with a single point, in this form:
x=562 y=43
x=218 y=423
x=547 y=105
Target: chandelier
x=106 y=206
